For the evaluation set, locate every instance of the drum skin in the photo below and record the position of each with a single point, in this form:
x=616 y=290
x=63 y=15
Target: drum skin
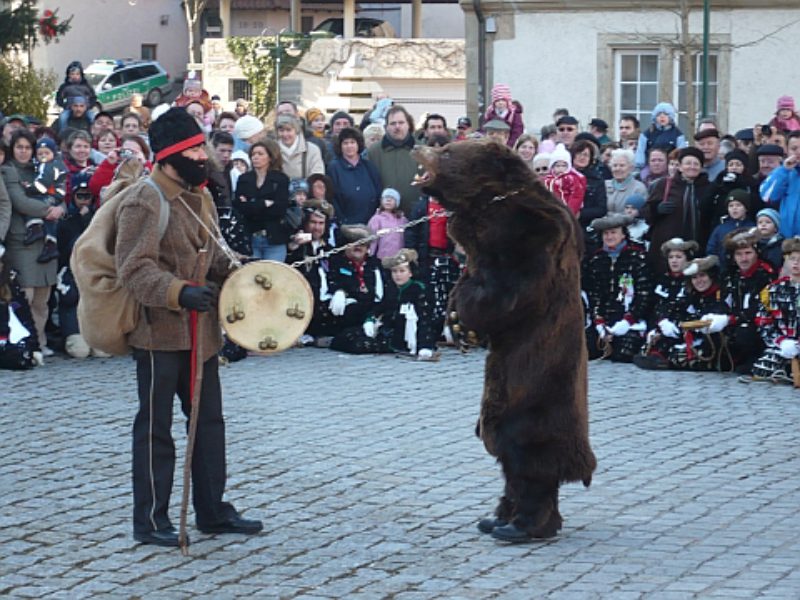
x=265 y=306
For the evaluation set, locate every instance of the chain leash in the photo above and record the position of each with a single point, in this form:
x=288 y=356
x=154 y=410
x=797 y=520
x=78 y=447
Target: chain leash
x=309 y=260
x=219 y=239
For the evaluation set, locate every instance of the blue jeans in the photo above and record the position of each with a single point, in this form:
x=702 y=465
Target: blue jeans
x=263 y=250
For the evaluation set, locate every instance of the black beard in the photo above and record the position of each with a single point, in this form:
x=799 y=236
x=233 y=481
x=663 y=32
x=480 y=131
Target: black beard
x=193 y=172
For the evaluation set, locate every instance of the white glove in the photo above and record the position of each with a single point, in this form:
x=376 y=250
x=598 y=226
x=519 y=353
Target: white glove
x=425 y=354
x=370 y=328
x=789 y=349
x=337 y=303
x=718 y=323
x=669 y=329
x=620 y=328
x=601 y=330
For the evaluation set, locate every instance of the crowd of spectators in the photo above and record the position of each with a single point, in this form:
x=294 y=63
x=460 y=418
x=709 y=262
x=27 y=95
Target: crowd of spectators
x=685 y=235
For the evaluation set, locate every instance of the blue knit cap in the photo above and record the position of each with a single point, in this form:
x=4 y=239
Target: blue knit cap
x=772 y=214
x=636 y=201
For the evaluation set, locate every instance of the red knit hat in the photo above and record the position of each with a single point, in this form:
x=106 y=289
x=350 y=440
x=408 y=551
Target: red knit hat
x=501 y=91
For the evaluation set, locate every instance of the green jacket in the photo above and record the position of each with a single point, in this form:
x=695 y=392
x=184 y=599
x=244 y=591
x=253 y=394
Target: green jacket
x=397 y=169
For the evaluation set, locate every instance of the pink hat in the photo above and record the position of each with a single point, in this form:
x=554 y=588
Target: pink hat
x=501 y=91
x=785 y=102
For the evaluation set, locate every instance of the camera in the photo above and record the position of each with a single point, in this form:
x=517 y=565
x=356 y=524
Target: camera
x=125 y=154
x=766 y=130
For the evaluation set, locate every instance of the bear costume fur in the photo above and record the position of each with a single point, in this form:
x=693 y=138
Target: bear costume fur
x=521 y=293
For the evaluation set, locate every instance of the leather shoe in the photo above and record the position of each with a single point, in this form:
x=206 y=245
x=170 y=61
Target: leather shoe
x=235 y=524
x=488 y=524
x=510 y=533
x=161 y=537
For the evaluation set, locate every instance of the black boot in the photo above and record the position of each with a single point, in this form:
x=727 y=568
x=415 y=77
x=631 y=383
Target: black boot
x=33 y=233
x=49 y=252
x=502 y=514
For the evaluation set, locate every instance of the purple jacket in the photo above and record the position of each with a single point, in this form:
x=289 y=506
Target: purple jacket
x=392 y=243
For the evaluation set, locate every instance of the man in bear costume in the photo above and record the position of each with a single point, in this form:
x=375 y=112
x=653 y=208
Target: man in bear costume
x=521 y=293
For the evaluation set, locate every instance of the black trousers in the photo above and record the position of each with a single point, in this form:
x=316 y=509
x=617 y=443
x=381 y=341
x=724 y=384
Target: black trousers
x=160 y=376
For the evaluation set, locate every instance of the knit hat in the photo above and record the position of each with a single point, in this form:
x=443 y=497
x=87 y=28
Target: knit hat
x=464 y=123
x=247 y=126
x=313 y=113
x=46 y=142
x=355 y=232
x=663 y=107
x=745 y=135
x=739 y=195
x=706 y=264
x=560 y=154
x=340 y=114
x=173 y=132
x=785 y=102
x=76 y=100
x=691 y=151
x=636 y=201
x=392 y=193
x=771 y=214
x=585 y=135
x=790 y=245
x=740 y=238
x=736 y=154
x=241 y=155
x=611 y=221
x=191 y=83
x=297 y=185
x=404 y=257
x=688 y=247
x=542 y=158
x=770 y=150
x=501 y=91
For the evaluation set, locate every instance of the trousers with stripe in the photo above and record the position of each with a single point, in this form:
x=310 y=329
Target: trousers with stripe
x=160 y=377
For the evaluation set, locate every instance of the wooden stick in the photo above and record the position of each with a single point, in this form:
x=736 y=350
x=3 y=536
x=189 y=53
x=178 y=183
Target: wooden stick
x=197 y=386
x=796 y=372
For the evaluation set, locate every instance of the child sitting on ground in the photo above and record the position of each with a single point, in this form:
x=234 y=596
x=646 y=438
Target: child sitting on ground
x=563 y=181
x=48 y=187
x=738 y=201
x=777 y=320
x=401 y=322
x=768 y=223
x=19 y=344
x=387 y=216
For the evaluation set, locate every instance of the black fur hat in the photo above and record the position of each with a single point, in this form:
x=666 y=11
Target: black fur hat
x=173 y=132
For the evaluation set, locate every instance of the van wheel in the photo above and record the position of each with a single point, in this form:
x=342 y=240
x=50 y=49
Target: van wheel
x=154 y=98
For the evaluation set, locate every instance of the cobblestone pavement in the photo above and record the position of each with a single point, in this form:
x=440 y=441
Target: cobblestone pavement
x=370 y=481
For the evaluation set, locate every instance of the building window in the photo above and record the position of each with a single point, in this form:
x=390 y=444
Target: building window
x=713 y=89
x=240 y=88
x=637 y=75
x=149 y=52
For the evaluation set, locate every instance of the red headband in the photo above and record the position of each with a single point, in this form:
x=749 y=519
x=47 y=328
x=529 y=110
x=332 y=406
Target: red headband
x=195 y=140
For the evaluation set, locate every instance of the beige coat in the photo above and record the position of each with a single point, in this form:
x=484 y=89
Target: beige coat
x=293 y=161
x=156 y=271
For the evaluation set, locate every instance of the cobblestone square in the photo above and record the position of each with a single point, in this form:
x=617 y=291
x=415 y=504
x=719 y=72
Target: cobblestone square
x=369 y=480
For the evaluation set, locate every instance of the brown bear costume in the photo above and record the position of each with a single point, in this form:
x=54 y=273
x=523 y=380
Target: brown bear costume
x=521 y=293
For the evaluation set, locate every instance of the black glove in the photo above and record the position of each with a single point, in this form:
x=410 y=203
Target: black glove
x=666 y=208
x=196 y=297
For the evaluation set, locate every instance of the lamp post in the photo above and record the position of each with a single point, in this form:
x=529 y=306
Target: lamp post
x=277 y=51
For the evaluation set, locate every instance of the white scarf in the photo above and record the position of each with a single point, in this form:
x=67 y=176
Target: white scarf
x=410 y=337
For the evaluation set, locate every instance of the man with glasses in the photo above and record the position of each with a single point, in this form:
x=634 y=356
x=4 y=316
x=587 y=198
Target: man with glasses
x=567 y=129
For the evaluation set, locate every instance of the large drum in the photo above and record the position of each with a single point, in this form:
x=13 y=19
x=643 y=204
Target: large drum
x=265 y=306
